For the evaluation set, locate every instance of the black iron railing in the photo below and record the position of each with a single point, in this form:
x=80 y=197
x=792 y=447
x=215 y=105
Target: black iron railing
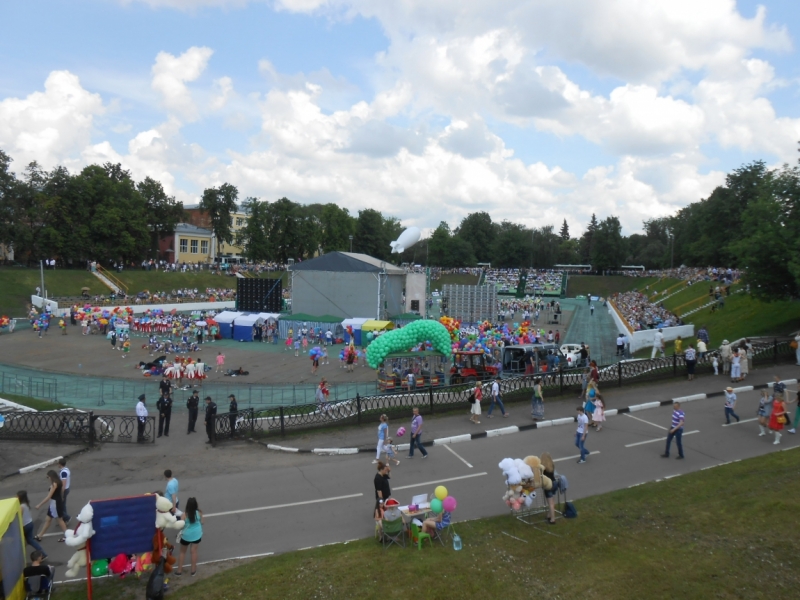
x=70 y=426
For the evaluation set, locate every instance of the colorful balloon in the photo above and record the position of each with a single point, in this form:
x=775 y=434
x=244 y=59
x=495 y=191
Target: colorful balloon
x=440 y=492
x=449 y=504
x=436 y=505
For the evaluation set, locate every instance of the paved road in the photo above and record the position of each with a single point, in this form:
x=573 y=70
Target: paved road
x=598 y=330
x=258 y=502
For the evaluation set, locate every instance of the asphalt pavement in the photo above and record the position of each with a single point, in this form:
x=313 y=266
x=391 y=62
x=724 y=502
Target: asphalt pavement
x=257 y=501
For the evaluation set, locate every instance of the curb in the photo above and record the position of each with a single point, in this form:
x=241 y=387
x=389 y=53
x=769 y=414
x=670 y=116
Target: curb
x=41 y=465
x=467 y=437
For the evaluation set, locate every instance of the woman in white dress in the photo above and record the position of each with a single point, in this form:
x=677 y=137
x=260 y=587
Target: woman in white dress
x=736 y=366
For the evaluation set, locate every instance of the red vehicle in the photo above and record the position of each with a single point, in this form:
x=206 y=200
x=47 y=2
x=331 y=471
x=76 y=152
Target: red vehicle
x=470 y=366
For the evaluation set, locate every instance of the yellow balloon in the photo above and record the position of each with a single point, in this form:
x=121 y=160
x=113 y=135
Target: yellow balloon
x=440 y=492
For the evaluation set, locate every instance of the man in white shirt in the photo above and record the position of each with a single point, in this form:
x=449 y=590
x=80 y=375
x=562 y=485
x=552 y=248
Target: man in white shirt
x=141 y=418
x=658 y=344
x=496 y=399
x=66 y=482
x=581 y=433
x=412 y=381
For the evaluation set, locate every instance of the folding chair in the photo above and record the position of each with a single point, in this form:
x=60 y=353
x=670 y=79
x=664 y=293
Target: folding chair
x=394 y=532
x=417 y=536
x=34 y=588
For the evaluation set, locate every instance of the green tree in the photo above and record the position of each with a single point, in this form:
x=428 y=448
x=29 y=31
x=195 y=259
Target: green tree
x=337 y=227
x=587 y=241
x=163 y=212
x=478 y=230
x=607 y=244
x=512 y=247
x=220 y=203
x=253 y=238
x=564 y=233
x=370 y=237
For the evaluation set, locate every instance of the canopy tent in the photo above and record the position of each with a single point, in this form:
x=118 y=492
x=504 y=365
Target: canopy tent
x=373 y=325
x=225 y=321
x=266 y=317
x=296 y=322
x=243 y=327
x=12 y=549
x=355 y=325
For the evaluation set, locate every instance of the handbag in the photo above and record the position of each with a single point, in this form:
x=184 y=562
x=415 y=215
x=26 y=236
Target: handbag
x=782 y=419
x=472 y=398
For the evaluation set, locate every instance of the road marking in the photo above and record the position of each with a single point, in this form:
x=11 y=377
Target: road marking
x=438 y=481
x=555 y=460
x=742 y=421
x=658 y=439
x=648 y=422
x=303 y=503
x=446 y=447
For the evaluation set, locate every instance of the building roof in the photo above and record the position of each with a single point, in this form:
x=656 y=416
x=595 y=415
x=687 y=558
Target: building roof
x=347 y=262
x=188 y=228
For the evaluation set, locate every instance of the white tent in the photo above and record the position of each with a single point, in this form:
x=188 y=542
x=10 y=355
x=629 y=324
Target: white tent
x=356 y=324
x=225 y=320
x=243 y=327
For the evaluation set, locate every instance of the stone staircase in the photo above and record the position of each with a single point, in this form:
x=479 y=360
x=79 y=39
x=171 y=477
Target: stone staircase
x=106 y=282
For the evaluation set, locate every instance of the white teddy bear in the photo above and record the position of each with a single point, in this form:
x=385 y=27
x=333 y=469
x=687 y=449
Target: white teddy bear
x=76 y=538
x=164 y=518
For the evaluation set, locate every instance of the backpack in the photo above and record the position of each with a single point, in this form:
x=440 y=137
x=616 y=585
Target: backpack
x=472 y=398
x=570 y=512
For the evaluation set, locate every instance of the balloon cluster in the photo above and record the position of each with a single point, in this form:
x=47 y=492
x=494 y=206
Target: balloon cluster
x=315 y=353
x=485 y=337
x=442 y=500
x=405 y=338
x=452 y=325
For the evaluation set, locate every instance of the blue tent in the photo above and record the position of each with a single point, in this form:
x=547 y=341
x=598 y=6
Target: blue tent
x=225 y=320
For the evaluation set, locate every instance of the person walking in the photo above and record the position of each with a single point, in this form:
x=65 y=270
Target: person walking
x=382 y=489
x=620 y=345
x=193 y=404
x=778 y=418
x=27 y=522
x=191 y=535
x=164 y=407
x=475 y=408
x=690 y=357
x=676 y=430
x=764 y=410
x=581 y=433
x=496 y=399
x=220 y=362
x=736 y=365
x=55 y=509
x=658 y=343
x=211 y=413
x=141 y=419
x=233 y=413
x=537 y=401
x=383 y=433
x=171 y=490
x=796 y=412
x=599 y=413
x=66 y=481
x=591 y=310
x=730 y=405
x=797 y=348
x=416 y=434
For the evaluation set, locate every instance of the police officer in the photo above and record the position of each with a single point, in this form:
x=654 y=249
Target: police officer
x=233 y=412
x=192 y=404
x=211 y=412
x=165 y=386
x=141 y=419
x=164 y=406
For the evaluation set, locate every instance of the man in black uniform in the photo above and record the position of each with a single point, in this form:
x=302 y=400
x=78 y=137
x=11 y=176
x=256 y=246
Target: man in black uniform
x=211 y=412
x=165 y=386
x=233 y=412
x=193 y=404
x=164 y=406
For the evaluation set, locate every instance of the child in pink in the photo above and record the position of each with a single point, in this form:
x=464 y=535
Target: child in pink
x=220 y=362
x=305 y=344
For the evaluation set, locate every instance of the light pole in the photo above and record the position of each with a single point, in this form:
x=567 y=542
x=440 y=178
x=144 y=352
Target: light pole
x=671 y=250
x=351 y=243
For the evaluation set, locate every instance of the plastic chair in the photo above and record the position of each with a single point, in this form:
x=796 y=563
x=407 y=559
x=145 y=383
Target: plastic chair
x=393 y=533
x=417 y=536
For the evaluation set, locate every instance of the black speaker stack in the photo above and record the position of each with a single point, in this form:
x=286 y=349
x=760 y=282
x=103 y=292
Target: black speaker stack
x=259 y=295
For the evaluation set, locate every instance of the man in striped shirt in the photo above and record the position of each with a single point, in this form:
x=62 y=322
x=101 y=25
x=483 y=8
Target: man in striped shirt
x=678 y=418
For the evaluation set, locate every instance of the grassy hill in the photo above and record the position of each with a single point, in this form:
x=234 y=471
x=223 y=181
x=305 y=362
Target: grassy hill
x=138 y=281
x=583 y=285
x=17 y=284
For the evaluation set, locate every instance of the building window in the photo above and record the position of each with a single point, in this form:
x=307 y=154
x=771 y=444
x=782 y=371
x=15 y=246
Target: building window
x=194 y=246
x=239 y=221
x=184 y=246
x=204 y=247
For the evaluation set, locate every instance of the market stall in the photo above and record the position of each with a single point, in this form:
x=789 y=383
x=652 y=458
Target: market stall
x=12 y=550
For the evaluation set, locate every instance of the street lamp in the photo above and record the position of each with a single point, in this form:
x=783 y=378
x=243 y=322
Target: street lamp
x=351 y=242
x=671 y=250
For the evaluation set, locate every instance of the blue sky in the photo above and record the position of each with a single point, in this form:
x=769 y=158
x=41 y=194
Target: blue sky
x=532 y=110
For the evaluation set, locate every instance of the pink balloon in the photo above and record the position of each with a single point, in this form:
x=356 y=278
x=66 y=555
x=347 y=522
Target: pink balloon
x=401 y=432
x=449 y=504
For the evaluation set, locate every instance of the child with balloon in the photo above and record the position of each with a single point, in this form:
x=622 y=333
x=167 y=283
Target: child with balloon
x=443 y=506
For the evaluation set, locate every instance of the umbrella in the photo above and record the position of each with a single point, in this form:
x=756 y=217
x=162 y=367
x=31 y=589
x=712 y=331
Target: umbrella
x=84 y=289
x=200 y=323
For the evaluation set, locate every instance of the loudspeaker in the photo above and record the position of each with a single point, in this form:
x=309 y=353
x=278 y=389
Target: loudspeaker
x=259 y=295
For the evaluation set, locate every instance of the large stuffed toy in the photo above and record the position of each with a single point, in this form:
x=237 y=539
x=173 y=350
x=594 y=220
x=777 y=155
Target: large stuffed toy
x=77 y=538
x=519 y=476
x=165 y=520
x=540 y=480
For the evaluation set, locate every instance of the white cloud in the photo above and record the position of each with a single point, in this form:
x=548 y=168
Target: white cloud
x=170 y=75
x=49 y=126
x=223 y=92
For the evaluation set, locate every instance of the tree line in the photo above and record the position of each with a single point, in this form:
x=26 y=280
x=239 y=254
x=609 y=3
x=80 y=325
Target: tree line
x=752 y=221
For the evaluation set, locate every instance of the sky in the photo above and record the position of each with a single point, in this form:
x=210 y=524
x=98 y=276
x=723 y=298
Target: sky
x=534 y=111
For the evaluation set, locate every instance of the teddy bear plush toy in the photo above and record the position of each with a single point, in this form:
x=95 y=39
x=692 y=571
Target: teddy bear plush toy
x=165 y=520
x=516 y=472
x=77 y=538
x=540 y=480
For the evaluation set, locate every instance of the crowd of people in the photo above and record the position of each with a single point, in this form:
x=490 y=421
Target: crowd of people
x=210 y=294
x=640 y=313
x=544 y=280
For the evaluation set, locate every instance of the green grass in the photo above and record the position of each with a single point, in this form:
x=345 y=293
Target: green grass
x=17 y=284
x=583 y=285
x=720 y=533
x=138 y=281
x=454 y=279
x=34 y=403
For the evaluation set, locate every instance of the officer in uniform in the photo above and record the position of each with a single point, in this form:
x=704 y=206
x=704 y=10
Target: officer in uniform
x=233 y=412
x=164 y=406
x=141 y=419
x=193 y=404
x=211 y=412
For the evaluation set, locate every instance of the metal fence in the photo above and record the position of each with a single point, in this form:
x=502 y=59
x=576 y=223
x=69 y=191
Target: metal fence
x=71 y=426
x=278 y=420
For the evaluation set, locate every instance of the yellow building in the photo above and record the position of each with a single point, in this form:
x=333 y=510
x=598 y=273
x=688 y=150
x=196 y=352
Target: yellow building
x=189 y=244
x=200 y=219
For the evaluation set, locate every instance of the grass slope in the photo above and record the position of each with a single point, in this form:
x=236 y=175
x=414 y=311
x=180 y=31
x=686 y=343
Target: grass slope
x=583 y=285
x=138 y=281
x=720 y=533
x=17 y=284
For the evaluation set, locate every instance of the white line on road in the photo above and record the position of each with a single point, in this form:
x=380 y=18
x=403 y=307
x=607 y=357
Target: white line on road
x=658 y=439
x=576 y=456
x=742 y=421
x=438 y=481
x=303 y=503
x=446 y=447
x=643 y=421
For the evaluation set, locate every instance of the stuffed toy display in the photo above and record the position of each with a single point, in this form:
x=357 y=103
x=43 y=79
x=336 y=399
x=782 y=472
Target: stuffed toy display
x=77 y=538
x=523 y=478
x=164 y=520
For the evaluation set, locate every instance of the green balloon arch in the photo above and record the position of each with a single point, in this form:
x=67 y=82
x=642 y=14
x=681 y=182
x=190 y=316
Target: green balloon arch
x=400 y=340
